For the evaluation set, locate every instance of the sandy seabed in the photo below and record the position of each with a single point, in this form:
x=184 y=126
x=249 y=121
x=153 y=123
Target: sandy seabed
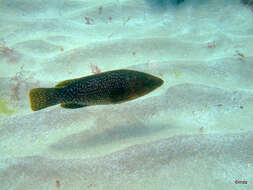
x=194 y=132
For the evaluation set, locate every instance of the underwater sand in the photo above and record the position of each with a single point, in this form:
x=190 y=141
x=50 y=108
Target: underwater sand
x=194 y=132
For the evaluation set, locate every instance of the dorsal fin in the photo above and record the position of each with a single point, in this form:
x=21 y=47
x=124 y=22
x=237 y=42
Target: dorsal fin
x=65 y=83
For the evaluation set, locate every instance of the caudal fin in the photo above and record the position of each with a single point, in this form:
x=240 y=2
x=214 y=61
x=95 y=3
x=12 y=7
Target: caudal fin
x=44 y=97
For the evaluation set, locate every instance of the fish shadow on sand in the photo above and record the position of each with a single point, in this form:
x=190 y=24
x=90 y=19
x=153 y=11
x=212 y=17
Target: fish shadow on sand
x=102 y=135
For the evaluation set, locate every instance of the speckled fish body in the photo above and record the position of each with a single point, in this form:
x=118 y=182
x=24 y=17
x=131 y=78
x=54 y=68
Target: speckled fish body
x=110 y=87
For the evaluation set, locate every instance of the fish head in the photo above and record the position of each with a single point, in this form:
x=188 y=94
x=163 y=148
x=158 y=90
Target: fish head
x=144 y=83
x=151 y=82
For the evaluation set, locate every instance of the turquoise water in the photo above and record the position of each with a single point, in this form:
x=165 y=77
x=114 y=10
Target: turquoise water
x=193 y=132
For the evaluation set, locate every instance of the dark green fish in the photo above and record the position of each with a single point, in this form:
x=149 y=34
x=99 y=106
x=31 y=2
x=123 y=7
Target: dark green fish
x=110 y=87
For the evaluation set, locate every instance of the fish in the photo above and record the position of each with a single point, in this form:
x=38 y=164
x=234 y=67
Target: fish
x=111 y=87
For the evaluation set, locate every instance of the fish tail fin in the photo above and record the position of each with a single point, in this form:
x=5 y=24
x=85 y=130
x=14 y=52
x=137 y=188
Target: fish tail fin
x=44 y=97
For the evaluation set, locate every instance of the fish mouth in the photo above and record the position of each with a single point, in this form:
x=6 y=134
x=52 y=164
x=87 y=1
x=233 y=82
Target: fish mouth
x=159 y=82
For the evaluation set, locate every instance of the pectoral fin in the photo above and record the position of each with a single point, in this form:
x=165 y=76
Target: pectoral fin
x=72 y=105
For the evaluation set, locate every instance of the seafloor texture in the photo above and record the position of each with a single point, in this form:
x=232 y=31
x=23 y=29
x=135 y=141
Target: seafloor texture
x=195 y=132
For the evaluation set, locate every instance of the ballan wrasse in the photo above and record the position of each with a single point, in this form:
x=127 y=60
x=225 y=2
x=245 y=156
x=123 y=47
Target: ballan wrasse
x=111 y=87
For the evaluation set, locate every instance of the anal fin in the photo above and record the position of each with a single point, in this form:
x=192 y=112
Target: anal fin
x=72 y=105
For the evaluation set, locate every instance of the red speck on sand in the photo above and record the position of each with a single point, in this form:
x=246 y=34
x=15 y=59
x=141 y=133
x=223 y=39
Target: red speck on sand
x=94 y=69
